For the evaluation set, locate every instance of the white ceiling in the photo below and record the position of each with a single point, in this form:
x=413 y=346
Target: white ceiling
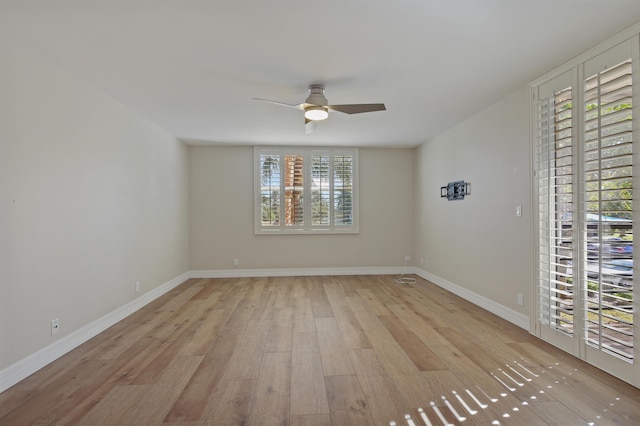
x=192 y=66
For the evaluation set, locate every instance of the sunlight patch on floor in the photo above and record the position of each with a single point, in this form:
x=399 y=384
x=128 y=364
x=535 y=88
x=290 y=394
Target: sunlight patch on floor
x=513 y=377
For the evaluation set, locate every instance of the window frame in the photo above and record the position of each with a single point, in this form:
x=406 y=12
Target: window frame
x=307 y=227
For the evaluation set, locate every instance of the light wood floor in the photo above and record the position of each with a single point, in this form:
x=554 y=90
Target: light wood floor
x=345 y=350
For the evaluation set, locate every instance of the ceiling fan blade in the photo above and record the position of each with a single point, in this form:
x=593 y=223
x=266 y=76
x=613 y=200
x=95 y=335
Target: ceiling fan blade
x=296 y=106
x=309 y=126
x=357 y=108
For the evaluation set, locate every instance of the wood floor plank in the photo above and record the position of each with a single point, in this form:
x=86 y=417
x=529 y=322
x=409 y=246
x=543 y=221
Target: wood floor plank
x=311 y=420
x=159 y=397
x=117 y=402
x=308 y=393
x=464 y=367
x=434 y=305
x=207 y=289
x=365 y=316
x=283 y=298
x=351 y=329
x=13 y=398
x=373 y=302
x=300 y=287
x=179 y=298
x=265 y=305
x=206 y=333
x=335 y=292
x=388 y=291
x=272 y=396
x=183 y=332
x=247 y=356
x=230 y=403
x=126 y=337
x=319 y=301
x=398 y=365
x=255 y=287
x=237 y=322
x=482 y=355
x=416 y=323
x=304 y=342
x=303 y=315
x=380 y=392
x=555 y=413
x=423 y=358
x=347 y=285
x=280 y=333
x=347 y=403
x=191 y=403
x=333 y=352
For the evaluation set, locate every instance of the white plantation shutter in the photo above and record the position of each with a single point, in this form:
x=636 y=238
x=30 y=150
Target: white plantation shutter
x=293 y=180
x=554 y=181
x=320 y=188
x=302 y=190
x=269 y=188
x=608 y=209
x=343 y=189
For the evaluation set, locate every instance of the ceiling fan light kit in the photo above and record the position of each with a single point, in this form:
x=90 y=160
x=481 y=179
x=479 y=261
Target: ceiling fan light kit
x=316 y=107
x=316 y=113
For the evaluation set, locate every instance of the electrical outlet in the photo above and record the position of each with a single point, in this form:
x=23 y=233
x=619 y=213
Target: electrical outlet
x=422 y=260
x=236 y=262
x=407 y=258
x=55 y=326
x=520 y=299
x=137 y=286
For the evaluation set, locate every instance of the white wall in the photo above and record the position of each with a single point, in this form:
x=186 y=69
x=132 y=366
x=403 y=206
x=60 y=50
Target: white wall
x=478 y=243
x=221 y=186
x=93 y=199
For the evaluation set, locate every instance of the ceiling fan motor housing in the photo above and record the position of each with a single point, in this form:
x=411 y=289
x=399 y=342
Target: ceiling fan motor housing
x=316 y=96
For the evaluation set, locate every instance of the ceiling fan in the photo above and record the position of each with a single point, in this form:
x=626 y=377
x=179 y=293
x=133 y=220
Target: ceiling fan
x=316 y=107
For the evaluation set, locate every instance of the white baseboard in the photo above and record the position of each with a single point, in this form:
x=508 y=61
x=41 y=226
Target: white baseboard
x=502 y=311
x=293 y=272
x=34 y=362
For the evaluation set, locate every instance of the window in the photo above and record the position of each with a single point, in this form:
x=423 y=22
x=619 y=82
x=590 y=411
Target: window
x=305 y=190
x=585 y=144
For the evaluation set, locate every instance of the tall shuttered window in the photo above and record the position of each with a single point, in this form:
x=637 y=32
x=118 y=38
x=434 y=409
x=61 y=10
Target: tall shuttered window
x=608 y=209
x=584 y=167
x=303 y=190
